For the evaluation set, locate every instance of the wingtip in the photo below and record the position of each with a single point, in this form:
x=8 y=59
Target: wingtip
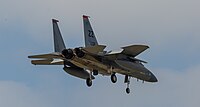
x=29 y=56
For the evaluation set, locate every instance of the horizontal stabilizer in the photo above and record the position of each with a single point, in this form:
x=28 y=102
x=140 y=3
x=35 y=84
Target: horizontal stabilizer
x=94 y=49
x=134 y=50
x=47 y=56
x=47 y=62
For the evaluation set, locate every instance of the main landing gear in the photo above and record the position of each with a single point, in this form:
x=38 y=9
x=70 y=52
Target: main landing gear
x=89 y=80
x=127 y=80
x=113 y=78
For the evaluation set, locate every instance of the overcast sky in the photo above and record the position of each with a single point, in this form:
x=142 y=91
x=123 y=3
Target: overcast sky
x=170 y=27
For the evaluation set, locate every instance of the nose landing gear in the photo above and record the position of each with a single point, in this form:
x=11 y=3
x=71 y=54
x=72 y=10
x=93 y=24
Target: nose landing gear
x=127 y=90
x=127 y=80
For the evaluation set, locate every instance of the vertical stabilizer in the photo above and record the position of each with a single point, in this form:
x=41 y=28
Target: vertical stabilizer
x=59 y=44
x=90 y=39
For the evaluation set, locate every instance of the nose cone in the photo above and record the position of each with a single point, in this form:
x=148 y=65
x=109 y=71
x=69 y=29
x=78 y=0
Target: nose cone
x=153 y=78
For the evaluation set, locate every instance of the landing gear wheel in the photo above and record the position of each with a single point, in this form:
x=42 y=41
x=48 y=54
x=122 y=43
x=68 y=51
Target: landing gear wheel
x=89 y=82
x=113 y=78
x=127 y=90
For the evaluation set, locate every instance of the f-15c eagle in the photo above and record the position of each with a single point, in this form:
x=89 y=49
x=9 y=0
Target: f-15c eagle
x=91 y=60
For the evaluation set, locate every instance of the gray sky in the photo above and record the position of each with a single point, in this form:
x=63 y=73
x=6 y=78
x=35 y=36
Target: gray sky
x=171 y=28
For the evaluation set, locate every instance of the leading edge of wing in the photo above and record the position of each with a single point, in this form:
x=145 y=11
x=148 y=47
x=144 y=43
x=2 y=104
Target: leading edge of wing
x=134 y=50
x=47 y=56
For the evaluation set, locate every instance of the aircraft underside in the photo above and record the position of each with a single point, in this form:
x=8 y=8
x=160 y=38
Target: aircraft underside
x=135 y=70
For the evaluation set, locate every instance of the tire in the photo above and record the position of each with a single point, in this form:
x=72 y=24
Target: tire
x=89 y=82
x=113 y=78
x=127 y=90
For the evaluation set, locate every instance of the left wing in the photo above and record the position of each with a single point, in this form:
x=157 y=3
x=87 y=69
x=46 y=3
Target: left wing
x=47 y=62
x=55 y=58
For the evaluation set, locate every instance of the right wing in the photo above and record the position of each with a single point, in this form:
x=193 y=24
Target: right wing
x=94 y=49
x=134 y=50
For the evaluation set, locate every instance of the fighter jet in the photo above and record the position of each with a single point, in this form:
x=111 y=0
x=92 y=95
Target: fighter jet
x=91 y=60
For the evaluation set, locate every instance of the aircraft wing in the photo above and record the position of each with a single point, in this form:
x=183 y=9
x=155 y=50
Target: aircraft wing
x=47 y=56
x=94 y=49
x=47 y=59
x=47 y=62
x=134 y=50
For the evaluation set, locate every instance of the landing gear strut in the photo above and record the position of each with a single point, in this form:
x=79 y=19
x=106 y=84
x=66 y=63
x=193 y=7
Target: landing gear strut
x=127 y=80
x=113 y=78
